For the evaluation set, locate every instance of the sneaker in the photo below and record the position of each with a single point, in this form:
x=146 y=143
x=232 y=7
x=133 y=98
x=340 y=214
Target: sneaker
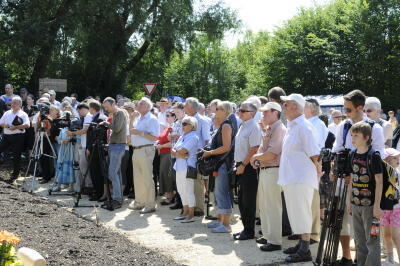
x=299 y=257
x=221 y=229
x=188 y=220
x=213 y=224
x=179 y=218
x=146 y=210
x=56 y=189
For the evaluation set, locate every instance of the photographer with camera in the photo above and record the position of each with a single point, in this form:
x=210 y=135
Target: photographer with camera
x=48 y=120
x=298 y=175
x=94 y=135
x=14 y=122
x=80 y=128
x=267 y=159
x=116 y=150
x=247 y=141
x=354 y=103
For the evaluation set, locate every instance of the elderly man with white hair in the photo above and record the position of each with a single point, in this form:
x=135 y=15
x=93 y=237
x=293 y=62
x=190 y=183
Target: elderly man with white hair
x=14 y=122
x=298 y=174
x=203 y=132
x=337 y=118
x=144 y=135
x=373 y=110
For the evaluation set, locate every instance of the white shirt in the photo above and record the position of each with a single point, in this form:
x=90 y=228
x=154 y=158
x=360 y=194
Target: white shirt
x=248 y=136
x=203 y=130
x=378 y=142
x=333 y=128
x=9 y=116
x=149 y=125
x=320 y=129
x=86 y=123
x=387 y=129
x=299 y=144
x=162 y=119
x=56 y=103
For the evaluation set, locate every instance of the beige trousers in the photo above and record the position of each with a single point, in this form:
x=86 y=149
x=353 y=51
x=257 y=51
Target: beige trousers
x=270 y=203
x=143 y=172
x=199 y=191
x=316 y=216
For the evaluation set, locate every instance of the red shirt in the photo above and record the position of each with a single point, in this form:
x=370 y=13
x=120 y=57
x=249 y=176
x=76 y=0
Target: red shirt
x=163 y=138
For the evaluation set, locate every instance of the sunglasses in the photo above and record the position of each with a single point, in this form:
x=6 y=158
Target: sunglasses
x=185 y=124
x=244 y=111
x=347 y=110
x=170 y=115
x=367 y=111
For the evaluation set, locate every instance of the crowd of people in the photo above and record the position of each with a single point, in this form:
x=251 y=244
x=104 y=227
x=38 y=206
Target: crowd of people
x=266 y=152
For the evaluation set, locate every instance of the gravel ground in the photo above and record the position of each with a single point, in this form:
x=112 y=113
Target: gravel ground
x=64 y=238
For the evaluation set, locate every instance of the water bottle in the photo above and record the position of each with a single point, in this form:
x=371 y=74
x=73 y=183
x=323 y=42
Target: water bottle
x=375 y=229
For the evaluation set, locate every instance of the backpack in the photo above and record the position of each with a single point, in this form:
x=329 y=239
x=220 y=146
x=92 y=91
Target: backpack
x=348 y=125
x=396 y=137
x=390 y=193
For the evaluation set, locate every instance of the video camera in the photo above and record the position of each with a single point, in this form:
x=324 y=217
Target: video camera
x=339 y=159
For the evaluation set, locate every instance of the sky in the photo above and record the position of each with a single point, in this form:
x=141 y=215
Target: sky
x=264 y=15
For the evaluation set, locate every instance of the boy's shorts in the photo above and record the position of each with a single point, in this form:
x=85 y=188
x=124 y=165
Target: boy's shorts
x=391 y=218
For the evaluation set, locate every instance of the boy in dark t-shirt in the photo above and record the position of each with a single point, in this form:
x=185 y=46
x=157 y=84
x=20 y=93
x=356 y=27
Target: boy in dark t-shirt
x=365 y=194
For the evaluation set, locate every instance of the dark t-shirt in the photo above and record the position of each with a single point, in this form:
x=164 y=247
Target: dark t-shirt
x=363 y=185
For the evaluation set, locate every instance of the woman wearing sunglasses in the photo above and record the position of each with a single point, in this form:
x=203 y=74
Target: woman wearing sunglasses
x=185 y=151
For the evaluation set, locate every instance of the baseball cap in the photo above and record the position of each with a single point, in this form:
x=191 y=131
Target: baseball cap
x=271 y=105
x=298 y=98
x=313 y=101
x=52 y=92
x=392 y=152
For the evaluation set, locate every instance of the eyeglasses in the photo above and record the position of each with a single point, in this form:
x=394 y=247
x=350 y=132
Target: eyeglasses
x=368 y=111
x=347 y=110
x=338 y=117
x=170 y=115
x=185 y=124
x=244 y=111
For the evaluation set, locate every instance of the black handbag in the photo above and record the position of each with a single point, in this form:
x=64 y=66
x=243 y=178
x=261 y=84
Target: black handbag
x=191 y=172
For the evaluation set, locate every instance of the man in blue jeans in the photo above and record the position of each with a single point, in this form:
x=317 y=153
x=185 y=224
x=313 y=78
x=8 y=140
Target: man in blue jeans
x=116 y=150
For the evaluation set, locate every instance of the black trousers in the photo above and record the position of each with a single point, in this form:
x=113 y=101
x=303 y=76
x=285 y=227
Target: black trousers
x=47 y=163
x=247 y=197
x=97 y=173
x=16 y=143
x=129 y=174
x=286 y=228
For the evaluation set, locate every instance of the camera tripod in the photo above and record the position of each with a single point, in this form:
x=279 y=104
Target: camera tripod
x=332 y=224
x=98 y=147
x=37 y=153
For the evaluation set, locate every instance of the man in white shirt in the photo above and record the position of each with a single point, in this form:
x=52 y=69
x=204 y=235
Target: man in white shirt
x=354 y=103
x=312 y=112
x=203 y=132
x=14 y=122
x=373 y=110
x=298 y=175
x=337 y=118
x=144 y=135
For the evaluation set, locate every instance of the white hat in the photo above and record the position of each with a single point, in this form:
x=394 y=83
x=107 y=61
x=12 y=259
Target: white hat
x=298 y=98
x=271 y=105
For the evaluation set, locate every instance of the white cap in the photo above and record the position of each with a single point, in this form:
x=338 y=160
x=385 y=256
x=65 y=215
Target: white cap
x=271 y=105
x=52 y=92
x=298 y=98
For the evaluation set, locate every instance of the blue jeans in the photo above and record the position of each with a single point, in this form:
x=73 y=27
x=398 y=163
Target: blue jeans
x=222 y=191
x=115 y=154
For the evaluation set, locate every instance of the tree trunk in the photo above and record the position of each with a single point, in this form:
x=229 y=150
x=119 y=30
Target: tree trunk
x=45 y=50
